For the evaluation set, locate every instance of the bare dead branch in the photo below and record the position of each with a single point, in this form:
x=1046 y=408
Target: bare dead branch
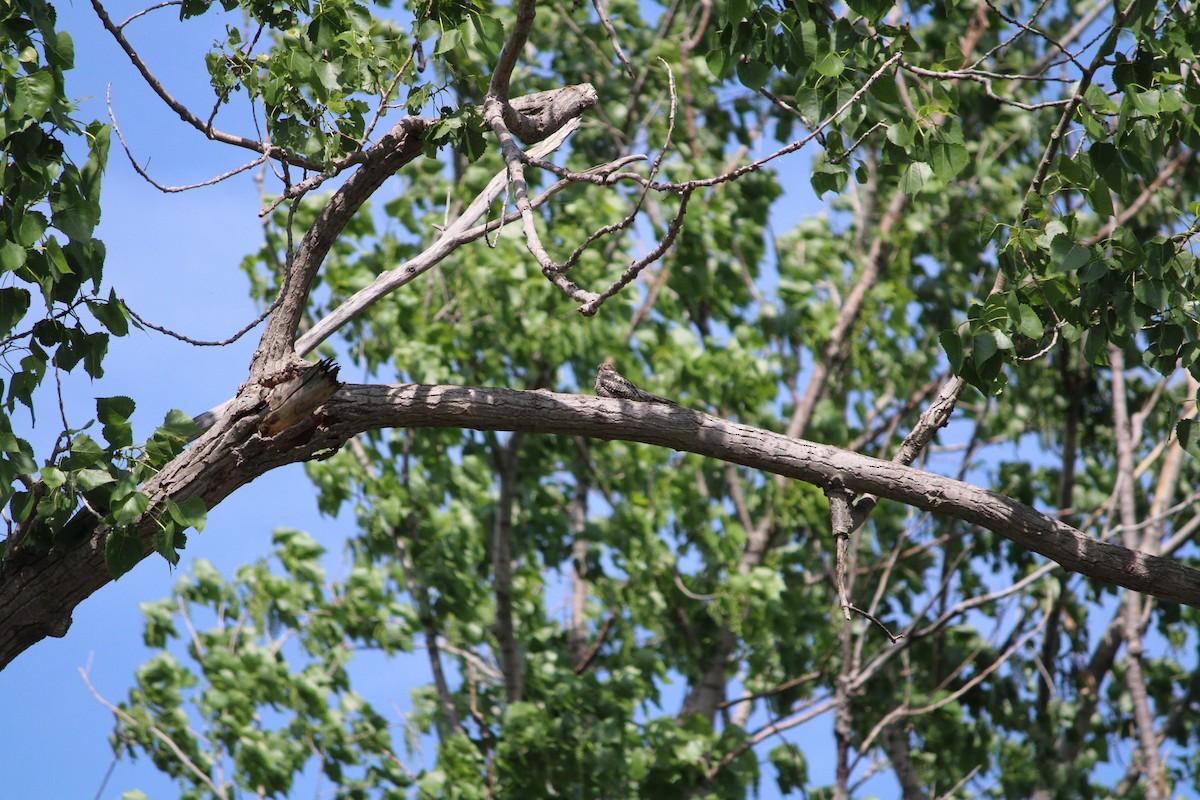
x=170 y=189
x=396 y=148
x=504 y=457
x=146 y=11
x=1131 y=604
x=754 y=166
x=507 y=62
x=892 y=637
x=184 y=112
x=459 y=232
x=218 y=789
x=592 y=304
x=840 y=517
x=606 y=23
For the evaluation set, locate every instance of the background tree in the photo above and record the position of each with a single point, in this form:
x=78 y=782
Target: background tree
x=1007 y=254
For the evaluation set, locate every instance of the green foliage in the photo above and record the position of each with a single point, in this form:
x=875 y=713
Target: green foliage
x=999 y=227
x=50 y=208
x=270 y=700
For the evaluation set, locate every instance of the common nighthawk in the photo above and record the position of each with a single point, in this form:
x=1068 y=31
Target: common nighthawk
x=610 y=383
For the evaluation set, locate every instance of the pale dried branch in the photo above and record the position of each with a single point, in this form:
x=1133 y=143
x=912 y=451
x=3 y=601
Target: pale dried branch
x=147 y=10
x=900 y=713
x=987 y=79
x=689 y=594
x=754 y=166
x=506 y=463
x=592 y=305
x=1028 y=27
x=146 y=176
x=459 y=232
x=418 y=592
x=507 y=62
x=606 y=23
x=869 y=617
x=230 y=455
x=402 y=143
x=1131 y=604
x=359 y=407
x=493 y=116
x=841 y=519
x=218 y=790
x=184 y=112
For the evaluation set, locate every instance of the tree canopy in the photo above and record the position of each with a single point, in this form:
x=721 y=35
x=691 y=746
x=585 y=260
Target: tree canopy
x=927 y=468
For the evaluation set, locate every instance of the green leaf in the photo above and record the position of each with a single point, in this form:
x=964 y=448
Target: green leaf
x=1028 y=323
x=900 y=134
x=179 y=425
x=111 y=314
x=1106 y=161
x=1188 y=431
x=1067 y=255
x=53 y=477
x=164 y=541
x=92 y=478
x=952 y=344
x=753 y=74
x=1151 y=292
x=191 y=513
x=14 y=303
x=449 y=40
x=33 y=95
x=128 y=508
x=30 y=228
x=328 y=75
x=114 y=413
x=948 y=159
x=984 y=346
x=831 y=65
x=12 y=256
x=122 y=551
x=915 y=177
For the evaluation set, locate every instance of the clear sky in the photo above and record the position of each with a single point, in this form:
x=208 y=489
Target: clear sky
x=174 y=258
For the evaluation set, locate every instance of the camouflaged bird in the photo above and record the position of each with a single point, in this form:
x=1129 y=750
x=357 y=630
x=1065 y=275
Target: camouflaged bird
x=610 y=383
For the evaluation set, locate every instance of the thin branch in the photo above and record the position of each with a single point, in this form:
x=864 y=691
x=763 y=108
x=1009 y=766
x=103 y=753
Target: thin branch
x=146 y=176
x=493 y=115
x=184 y=113
x=1131 y=614
x=456 y=234
x=162 y=736
x=754 y=166
x=145 y=11
x=893 y=637
x=506 y=463
x=601 y=638
x=592 y=305
x=507 y=62
x=612 y=36
x=396 y=148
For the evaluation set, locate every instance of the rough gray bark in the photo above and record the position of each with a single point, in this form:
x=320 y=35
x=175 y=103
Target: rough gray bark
x=38 y=595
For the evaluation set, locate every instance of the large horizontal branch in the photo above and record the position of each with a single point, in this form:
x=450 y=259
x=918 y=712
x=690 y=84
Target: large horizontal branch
x=39 y=594
x=368 y=407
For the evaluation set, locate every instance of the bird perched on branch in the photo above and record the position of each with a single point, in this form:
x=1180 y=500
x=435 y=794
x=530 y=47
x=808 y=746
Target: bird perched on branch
x=610 y=383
